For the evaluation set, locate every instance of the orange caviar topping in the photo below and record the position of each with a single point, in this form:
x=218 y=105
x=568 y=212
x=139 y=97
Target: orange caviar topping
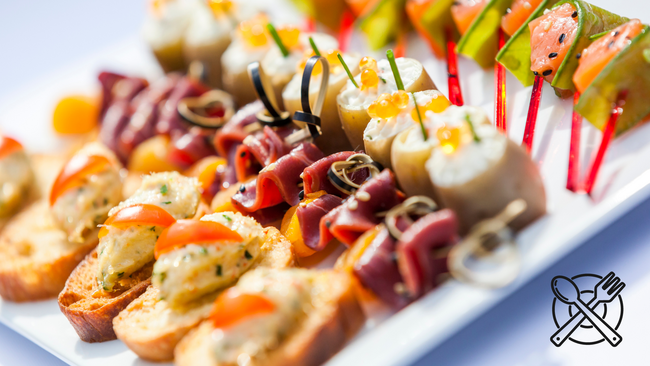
x=330 y=56
x=385 y=107
x=253 y=31
x=449 y=138
x=400 y=99
x=369 y=79
x=289 y=35
x=368 y=63
x=220 y=7
x=437 y=105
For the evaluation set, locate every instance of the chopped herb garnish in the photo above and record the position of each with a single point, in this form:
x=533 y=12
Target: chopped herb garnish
x=382 y=79
x=218 y=269
x=347 y=70
x=153 y=228
x=167 y=202
x=369 y=137
x=248 y=255
x=120 y=274
x=227 y=217
x=203 y=251
x=164 y=189
x=163 y=276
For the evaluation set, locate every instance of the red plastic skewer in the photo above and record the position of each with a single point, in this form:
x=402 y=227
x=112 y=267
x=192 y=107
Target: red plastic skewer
x=572 y=182
x=345 y=32
x=604 y=143
x=455 y=93
x=533 y=110
x=500 y=97
x=400 y=47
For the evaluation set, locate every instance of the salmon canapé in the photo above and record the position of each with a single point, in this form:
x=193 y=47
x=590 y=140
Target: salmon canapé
x=465 y=12
x=551 y=37
x=595 y=57
x=517 y=14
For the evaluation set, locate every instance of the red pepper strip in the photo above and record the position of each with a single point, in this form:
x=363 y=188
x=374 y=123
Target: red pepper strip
x=345 y=32
x=604 y=143
x=572 y=181
x=500 y=98
x=455 y=93
x=533 y=110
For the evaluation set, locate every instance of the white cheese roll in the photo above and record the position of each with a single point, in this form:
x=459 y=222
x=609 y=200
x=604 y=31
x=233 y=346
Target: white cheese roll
x=79 y=210
x=379 y=133
x=478 y=179
x=281 y=70
x=123 y=251
x=164 y=29
x=352 y=102
x=192 y=271
x=334 y=138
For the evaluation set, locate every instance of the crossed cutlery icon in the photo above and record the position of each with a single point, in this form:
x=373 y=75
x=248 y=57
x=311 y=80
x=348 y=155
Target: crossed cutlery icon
x=605 y=291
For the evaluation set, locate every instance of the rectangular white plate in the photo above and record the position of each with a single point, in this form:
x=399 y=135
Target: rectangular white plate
x=623 y=183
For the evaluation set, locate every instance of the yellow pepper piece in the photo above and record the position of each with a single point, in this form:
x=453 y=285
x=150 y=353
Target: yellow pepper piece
x=290 y=226
x=347 y=261
x=76 y=114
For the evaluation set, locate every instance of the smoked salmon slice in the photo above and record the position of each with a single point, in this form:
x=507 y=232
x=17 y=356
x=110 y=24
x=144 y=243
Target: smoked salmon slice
x=551 y=37
x=465 y=11
x=517 y=14
x=595 y=57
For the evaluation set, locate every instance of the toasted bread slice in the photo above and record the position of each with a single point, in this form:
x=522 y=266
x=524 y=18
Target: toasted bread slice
x=151 y=328
x=91 y=310
x=36 y=257
x=335 y=319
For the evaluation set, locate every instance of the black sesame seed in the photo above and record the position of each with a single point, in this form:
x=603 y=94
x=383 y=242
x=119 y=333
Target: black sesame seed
x=547 y=72
x=578 y=56
x=301 y=195
x=562 y=37
x=243 y=154
x=552 y=55
x=536 y=73
x=611 y=44
x=328 y=224
x=248 y=255
x=616 y=33
x=575 y=14
x=242 y=188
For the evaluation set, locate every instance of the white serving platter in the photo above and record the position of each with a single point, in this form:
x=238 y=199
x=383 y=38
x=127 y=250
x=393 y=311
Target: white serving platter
x=623 y=183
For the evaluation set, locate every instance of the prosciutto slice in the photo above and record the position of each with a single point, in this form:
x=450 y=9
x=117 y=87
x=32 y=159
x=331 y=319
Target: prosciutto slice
x=315 y=175
x=359 y=213
x=261 y=149
x=142 y=123
x=377 y=270
x=170 y=120
x=231 y=135
x=278 y=182
x=309 y=217
x=422 y=250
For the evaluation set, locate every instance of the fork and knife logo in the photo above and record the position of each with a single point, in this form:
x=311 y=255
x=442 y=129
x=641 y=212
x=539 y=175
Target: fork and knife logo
x=584 y=302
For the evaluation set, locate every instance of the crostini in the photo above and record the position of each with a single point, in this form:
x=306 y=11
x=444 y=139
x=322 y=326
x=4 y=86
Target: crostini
x=119 y=270
x=276 y=317
x=196 y=260
x=45 y=242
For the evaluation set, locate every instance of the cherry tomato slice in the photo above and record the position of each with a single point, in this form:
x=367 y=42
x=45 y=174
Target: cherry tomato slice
x=140 y=214
x=8 y=146
x=185 y=232
x=75 y=172
x=232 y=307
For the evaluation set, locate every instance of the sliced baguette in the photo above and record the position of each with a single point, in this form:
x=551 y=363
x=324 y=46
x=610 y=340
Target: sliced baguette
x=151 y=328
x=318 y=337
x=35 y=256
